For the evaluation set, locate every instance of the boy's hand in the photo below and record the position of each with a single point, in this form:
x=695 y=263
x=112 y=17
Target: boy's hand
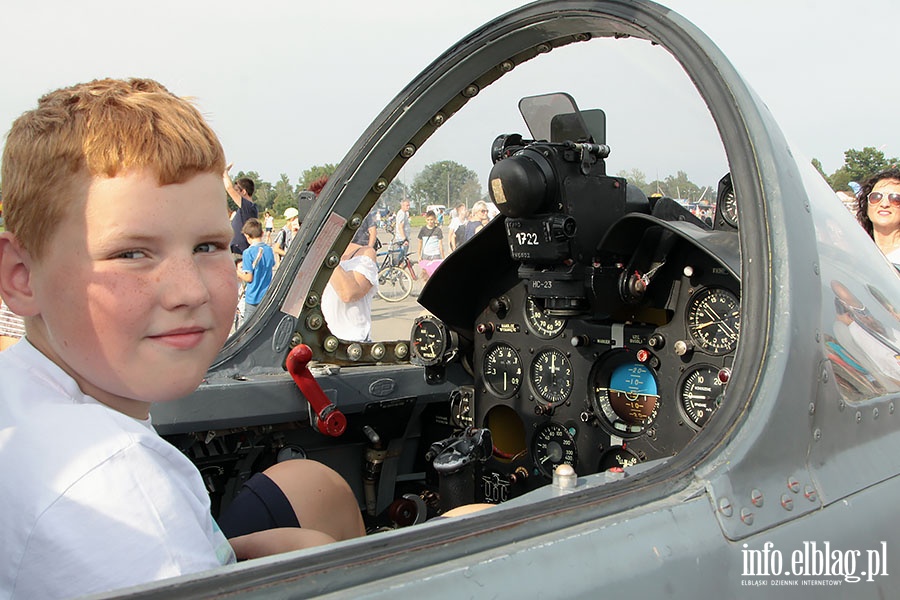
x=226 y=178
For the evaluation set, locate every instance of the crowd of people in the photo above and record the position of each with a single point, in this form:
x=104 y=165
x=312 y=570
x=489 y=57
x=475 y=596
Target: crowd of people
x=161 y=288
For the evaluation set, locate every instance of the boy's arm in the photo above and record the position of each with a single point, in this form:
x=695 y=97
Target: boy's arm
x=349 y=285
x=229 y=186
x=276 y=541
x=245 y=276
x=353 y=285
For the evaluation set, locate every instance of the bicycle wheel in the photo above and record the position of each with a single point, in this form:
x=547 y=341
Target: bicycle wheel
x=394 y=284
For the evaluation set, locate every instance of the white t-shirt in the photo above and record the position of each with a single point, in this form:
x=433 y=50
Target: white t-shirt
x=351 y=320
x=402 y=226
x=894 y=256
x=92 y=500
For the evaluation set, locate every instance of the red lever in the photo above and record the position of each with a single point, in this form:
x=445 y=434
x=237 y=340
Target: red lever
x=329 y=419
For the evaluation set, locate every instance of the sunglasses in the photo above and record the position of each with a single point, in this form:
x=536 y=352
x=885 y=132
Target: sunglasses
x=875 y=198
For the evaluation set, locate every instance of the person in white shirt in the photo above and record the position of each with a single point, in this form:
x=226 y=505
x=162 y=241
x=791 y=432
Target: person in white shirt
x=128 y=292
x=347 y=299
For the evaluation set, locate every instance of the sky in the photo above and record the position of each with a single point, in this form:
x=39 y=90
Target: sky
x=288 y=85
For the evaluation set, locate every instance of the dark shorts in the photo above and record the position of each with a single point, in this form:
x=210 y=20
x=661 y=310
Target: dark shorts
x=260 y=505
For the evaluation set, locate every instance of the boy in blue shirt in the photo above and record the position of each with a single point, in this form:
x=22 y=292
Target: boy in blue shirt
x=257 y=263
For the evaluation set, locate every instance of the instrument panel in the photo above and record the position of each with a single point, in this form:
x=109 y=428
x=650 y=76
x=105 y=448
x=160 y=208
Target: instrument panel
x=601 y=391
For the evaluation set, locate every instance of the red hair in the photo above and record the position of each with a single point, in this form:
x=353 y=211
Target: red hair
x=317 y=185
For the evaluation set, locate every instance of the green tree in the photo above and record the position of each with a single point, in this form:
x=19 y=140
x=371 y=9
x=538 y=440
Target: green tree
x=637 y=178
x=818 y=166
x=445 y=182
x=858 y=166
x=313 y=173
x=395 y=192
x=284 y=195
x=678 y=186
x=861 y=164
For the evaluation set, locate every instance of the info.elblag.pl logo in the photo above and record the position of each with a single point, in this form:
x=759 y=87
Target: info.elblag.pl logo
x=813 y=559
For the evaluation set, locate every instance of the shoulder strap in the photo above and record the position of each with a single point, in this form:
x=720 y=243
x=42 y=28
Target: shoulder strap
x=258 y=256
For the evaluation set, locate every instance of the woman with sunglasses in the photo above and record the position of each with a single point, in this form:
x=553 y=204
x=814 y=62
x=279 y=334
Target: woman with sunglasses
x=878 y=211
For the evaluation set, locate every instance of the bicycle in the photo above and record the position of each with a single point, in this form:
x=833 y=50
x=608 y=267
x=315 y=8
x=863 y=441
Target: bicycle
x=396 y=274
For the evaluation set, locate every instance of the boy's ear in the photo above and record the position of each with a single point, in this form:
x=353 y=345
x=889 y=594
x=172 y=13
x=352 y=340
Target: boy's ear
x=15 y=276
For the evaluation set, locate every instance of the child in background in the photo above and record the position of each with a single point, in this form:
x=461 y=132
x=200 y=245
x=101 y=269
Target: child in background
x=256 y=267
x=116 y=253
x=431 y=245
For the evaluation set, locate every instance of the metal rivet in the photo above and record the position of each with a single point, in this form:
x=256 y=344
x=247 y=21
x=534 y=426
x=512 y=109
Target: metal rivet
x=875 y=413
x=437 y=120
x=892 y=407
x=401 y=350
x=725 y=507
x=746 y=516
x=793 y=484
x=354 y=352
x=858 y=416
x=312 y=300
x=824 y=375
x=543 y=48
x=810 y=493
x=787 y=503
x=331 y=343
x=314 y=321
x=378 y=351
x=815 y=266
x=332 y=261
x=840 y=406
x=812 y=408
x=756 y=497
x=470 y=91
x=296 y=340
x=507 y=65
x=381 y=184
x=408 y=151
x=582 y=37
x=817 y=434
x=355 y=221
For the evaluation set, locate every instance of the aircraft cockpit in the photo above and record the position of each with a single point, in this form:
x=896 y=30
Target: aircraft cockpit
x=605 y=337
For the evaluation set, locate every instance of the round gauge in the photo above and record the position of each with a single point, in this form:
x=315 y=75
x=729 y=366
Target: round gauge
x=618 y=457
x=552 y=446
x=714 y=320
x=700 y=393
x=541 y=324
x=729 y=208
x=502 y=370
x=625 y=393
x=551 y=376
x=429 y=341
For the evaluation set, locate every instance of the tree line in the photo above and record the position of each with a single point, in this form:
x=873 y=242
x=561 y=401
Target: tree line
x=858 y=166
x=450 y=183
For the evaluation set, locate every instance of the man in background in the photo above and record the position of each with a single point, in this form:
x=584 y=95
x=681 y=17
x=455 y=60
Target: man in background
x=241 y=193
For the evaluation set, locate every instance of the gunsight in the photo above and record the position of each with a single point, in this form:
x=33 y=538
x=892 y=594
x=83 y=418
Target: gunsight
x=557 y=199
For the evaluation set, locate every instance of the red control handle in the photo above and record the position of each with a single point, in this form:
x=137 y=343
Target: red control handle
x=329 y=419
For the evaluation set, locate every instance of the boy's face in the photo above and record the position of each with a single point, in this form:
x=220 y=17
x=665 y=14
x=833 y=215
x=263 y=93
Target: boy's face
x=136 y=292
x=430 y=221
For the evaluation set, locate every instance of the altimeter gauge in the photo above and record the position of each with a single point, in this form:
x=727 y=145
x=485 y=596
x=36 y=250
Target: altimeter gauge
x=714 y=320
